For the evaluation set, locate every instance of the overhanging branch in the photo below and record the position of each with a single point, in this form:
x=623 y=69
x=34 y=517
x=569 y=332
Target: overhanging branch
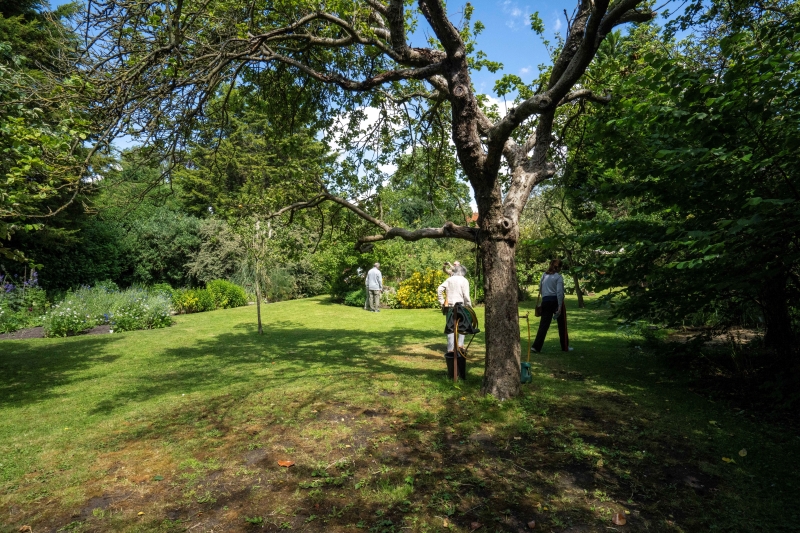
x=448 y=231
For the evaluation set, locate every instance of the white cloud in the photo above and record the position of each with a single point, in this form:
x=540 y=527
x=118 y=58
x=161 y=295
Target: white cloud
x=557 y=24
x=389 y=168
x=525 y=70
x=516 y=17
x=502 y=106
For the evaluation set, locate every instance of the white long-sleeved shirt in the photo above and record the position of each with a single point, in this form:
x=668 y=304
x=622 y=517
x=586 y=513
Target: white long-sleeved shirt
x=552 y=285
x=457 y=289
x=374 y=280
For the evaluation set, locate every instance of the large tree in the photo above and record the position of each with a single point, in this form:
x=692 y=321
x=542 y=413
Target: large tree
x=692 y=178
x=42 y=121
x=156 y=65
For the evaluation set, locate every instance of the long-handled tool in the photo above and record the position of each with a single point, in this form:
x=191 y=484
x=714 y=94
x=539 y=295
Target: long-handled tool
x=525 y=375
x=455 y=352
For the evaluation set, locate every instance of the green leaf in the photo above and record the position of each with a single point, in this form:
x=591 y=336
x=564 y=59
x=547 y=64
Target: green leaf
x=536 y=23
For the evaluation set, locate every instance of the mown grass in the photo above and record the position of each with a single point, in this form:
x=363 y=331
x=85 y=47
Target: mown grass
x=181 y=429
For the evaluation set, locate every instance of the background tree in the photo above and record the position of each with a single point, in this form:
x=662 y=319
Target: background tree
x=43 y=119
x=693 y=173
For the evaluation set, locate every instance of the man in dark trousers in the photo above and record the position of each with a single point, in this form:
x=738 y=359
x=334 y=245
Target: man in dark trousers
x=551 y=290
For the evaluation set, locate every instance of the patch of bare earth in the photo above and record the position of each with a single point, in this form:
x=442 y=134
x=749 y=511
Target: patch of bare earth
x=38 y=333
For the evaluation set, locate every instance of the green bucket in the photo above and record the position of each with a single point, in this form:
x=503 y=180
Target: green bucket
x=525 y=375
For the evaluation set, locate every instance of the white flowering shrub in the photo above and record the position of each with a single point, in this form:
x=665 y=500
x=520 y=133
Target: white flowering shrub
x=126 y=310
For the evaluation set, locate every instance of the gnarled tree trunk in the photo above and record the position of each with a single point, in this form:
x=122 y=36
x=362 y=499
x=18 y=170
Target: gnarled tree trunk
x=501 y=378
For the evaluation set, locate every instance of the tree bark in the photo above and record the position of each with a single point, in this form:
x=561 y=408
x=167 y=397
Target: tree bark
x=501 y=377
x=576 y=280
x=779 y=335
x=578 y=291
x=258 y=306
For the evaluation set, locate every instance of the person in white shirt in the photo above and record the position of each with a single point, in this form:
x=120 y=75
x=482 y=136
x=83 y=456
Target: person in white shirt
x=457 y=289
x=374 y=284
x=551 y=289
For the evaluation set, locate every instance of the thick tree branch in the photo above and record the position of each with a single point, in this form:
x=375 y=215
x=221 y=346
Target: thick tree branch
x=357 y=210
x=353 y=85
x=436 y=15
x=306 y=204
x=589 y=26
x=448 y=231
x=585 y=94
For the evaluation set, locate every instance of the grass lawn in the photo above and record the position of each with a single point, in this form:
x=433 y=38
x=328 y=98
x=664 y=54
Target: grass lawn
x=181 y=429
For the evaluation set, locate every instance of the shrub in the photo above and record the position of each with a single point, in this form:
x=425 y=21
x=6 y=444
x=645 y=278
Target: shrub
x=279 y=285
x=226 y=294
x=184 y=301
x=419 y=291
x=160 y=246
x=308 y=279
x=355 y=298
x=68 y=318
x=219 y=252
x=12 y=320
x=205 y=300
x=77 y=250
x=127 y=310
x=389 y=298
x=162 y=288
x=107 y=286
x=192 y=301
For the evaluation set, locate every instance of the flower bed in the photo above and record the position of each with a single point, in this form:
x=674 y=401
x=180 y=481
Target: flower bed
x=22 y=302
x=125 y=310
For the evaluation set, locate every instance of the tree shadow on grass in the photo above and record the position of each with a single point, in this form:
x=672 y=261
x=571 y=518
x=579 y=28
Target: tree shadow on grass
x=468 y=458
x=25 y=379
x=539 y=466
x=230 y=360
x=468 y=461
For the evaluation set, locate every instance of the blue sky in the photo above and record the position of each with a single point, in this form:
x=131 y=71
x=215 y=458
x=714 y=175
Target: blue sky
x=508 y=37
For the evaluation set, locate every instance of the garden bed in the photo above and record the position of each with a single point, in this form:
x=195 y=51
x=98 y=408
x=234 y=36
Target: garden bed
x=38 y=333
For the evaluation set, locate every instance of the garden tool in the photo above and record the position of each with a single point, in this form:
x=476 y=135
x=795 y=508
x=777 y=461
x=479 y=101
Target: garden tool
x=455 y=353
x=525 y=375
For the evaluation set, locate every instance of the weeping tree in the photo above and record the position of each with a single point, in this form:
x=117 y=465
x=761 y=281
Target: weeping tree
x=154 y=66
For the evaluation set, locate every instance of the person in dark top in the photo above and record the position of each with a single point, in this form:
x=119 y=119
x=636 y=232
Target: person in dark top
x=551 y=289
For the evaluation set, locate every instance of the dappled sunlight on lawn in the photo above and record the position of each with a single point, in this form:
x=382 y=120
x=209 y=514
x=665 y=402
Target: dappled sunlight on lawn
x=186 y=425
